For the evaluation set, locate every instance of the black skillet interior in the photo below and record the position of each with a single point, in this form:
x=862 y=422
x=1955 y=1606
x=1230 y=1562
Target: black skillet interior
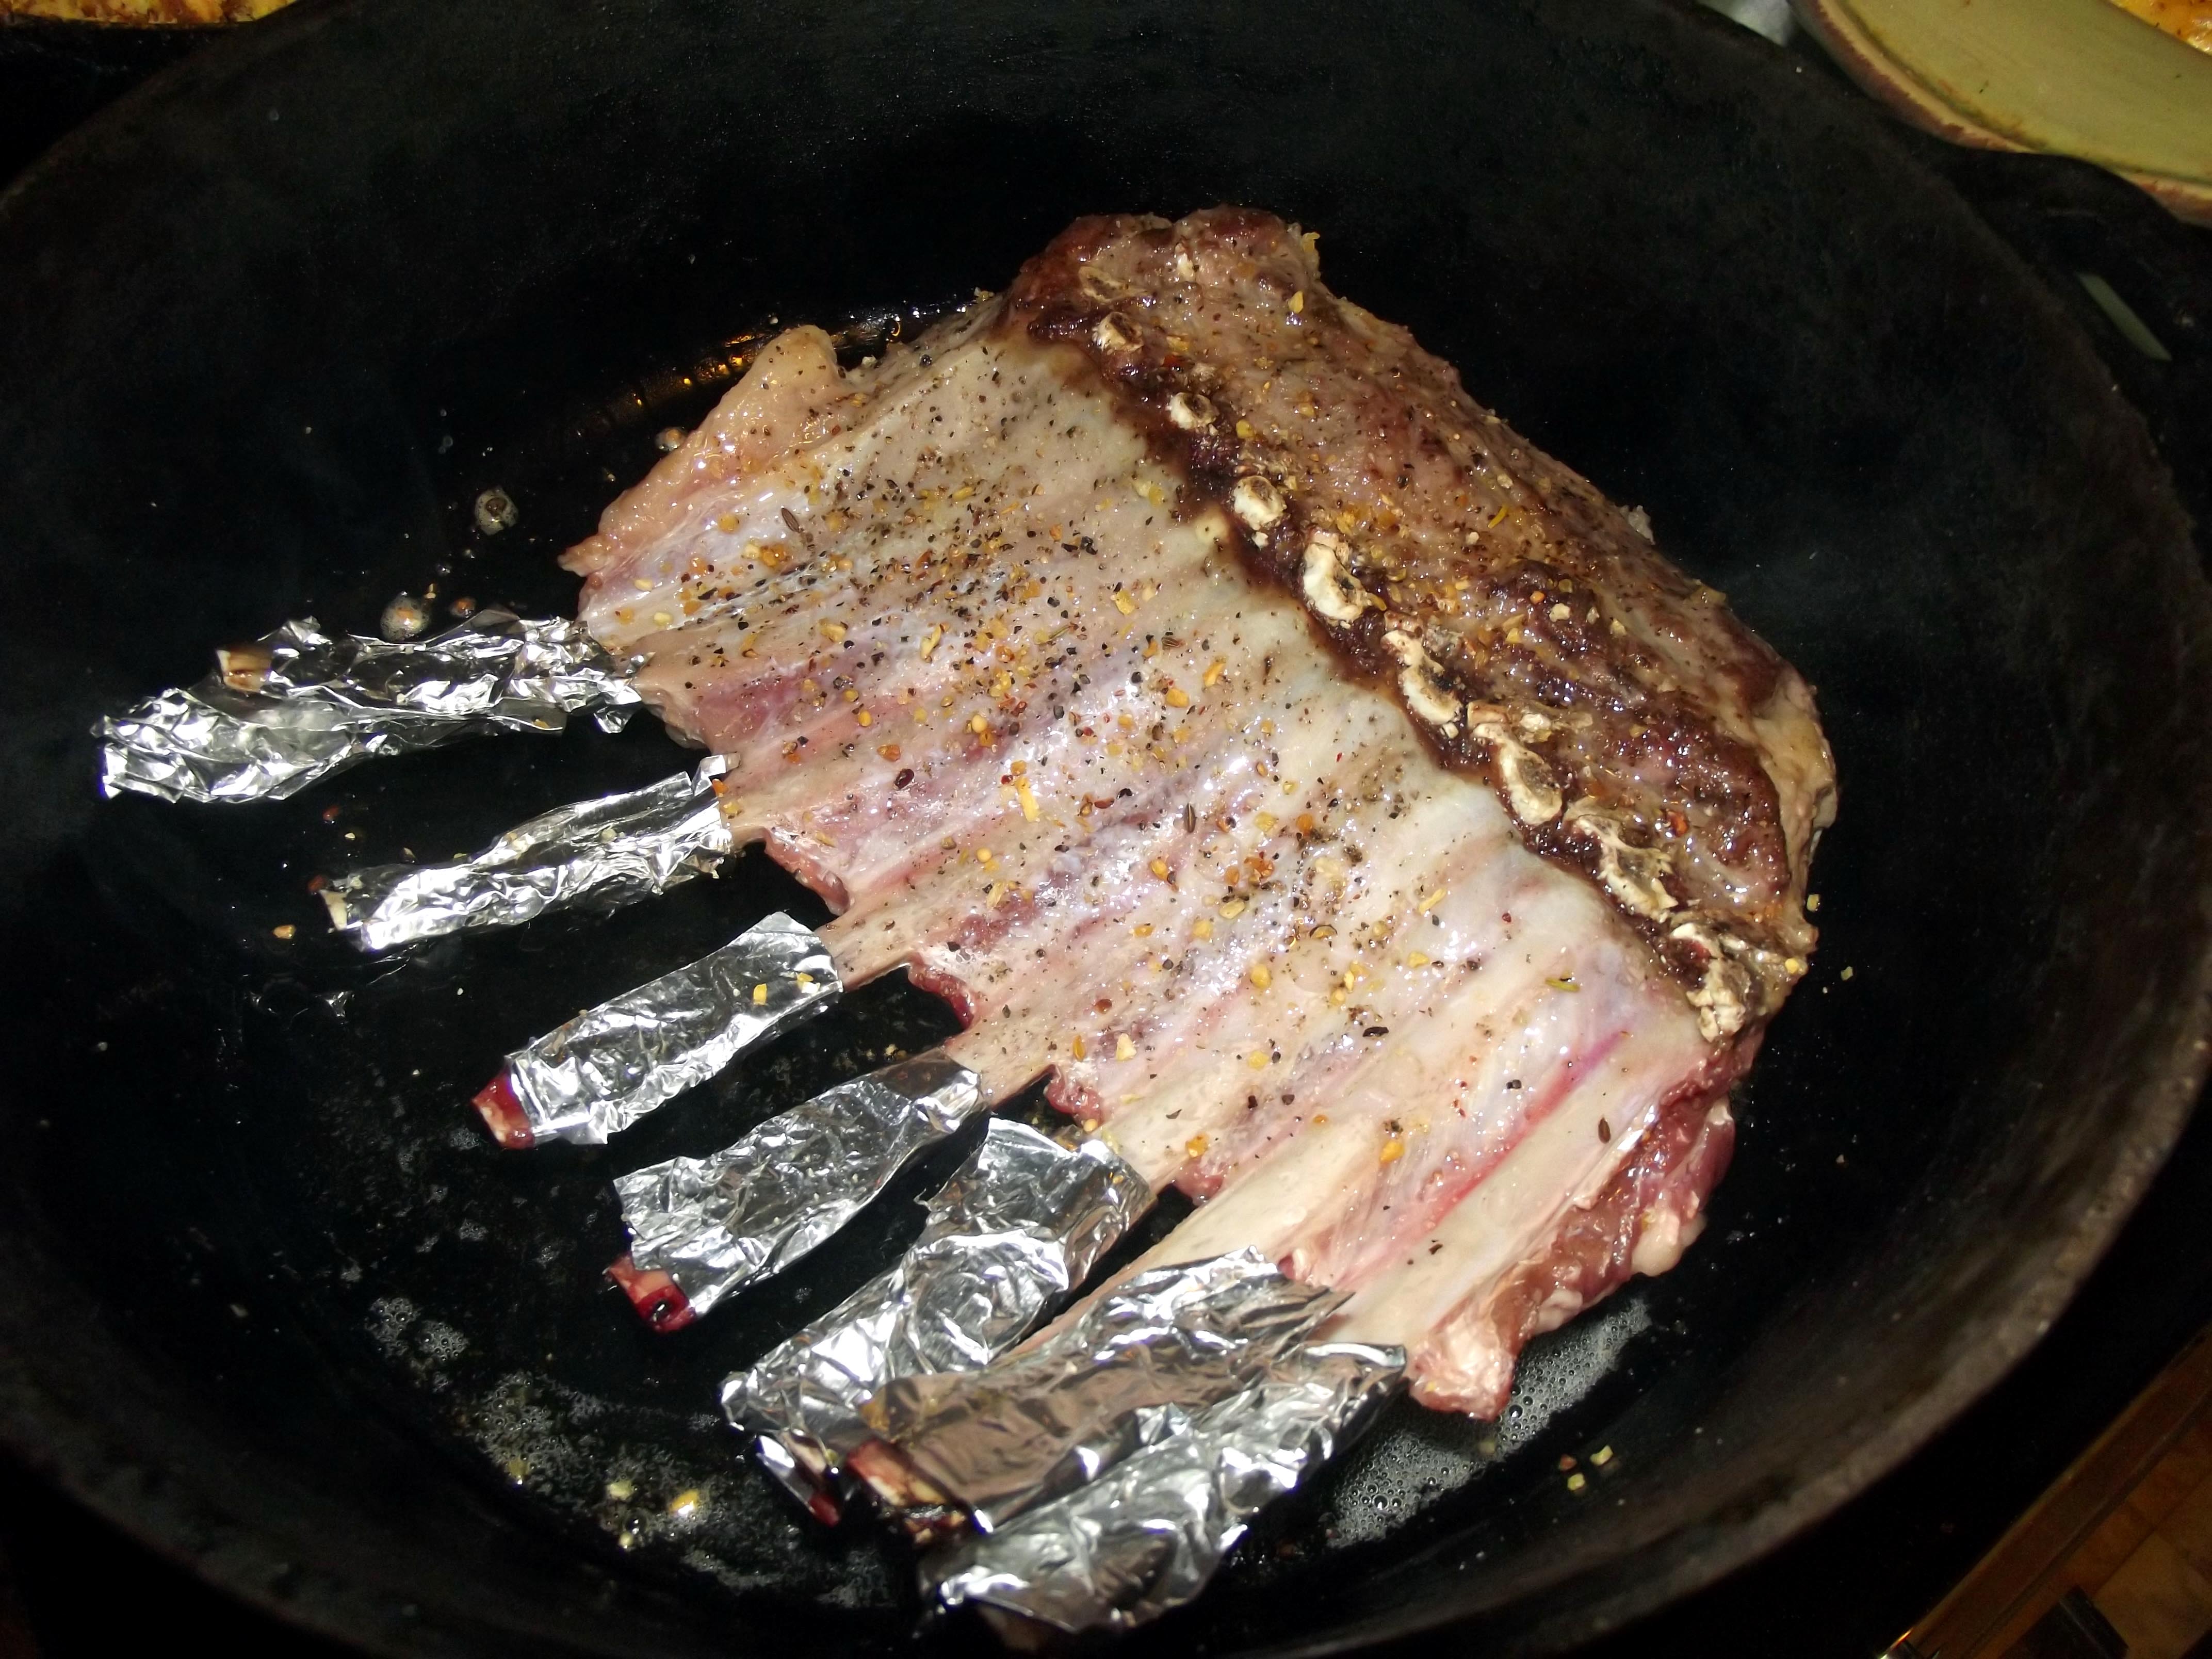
x=275 y=321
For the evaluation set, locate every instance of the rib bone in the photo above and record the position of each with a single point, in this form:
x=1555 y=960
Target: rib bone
x=1013 y=1233
x=599 y=854
x=707 y=1226
x=612 y=1065
x=1081 y=710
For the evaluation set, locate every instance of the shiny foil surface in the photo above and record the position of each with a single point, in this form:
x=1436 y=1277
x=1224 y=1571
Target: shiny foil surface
x=601 y=854
x=610 y=1065
x=298 y=704
x=1148 y=1534
x=1015 y=1230
x=719 y=1223
x=1130 y=1370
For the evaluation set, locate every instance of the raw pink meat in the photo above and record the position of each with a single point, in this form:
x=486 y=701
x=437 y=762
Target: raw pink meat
x=1353 y=813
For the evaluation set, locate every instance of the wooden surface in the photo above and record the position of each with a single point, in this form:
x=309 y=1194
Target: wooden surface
x=2129 y=1523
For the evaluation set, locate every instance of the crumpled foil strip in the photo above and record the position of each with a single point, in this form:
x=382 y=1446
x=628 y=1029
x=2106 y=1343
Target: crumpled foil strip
x=612 y=1065
x=602 y=853
x=1017 y=1228
x=714 y=1224
x=298 y=705
x=1148 y=1534
x=1129 y=1371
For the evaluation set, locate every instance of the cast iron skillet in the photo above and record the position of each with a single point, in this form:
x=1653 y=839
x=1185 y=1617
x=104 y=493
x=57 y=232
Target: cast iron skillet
x=271 y=325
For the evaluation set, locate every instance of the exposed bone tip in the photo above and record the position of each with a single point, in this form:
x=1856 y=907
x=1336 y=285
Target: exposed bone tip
x=243 y=668
x=659 y=1301
x=1330 y=588
x=1256 y=502
x=1633 y=875
x=1421 y=683
x=503 y=1115
x=1722 y=995
x=1114 y=333
x=1191 y=411
x=1531 y=792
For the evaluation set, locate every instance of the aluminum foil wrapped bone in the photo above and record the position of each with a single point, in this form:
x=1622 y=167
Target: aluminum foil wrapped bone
x=298 y=704
x=612 y=1065
x=716 y=1223
x=1149 y=1533
x=1129 y=1370
x=1017 y=1229
x=599 y=855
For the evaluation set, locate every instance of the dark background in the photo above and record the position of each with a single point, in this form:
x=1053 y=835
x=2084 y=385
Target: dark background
x=70 y=1585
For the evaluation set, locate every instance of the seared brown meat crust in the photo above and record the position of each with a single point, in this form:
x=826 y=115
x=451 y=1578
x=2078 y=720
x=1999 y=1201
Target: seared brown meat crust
x=1634 y=727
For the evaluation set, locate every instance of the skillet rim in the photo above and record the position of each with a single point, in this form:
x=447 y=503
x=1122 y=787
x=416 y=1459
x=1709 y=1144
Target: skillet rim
x=95 y=1465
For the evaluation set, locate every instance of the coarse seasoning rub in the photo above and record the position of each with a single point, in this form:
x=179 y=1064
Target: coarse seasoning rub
x=1349 y=809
